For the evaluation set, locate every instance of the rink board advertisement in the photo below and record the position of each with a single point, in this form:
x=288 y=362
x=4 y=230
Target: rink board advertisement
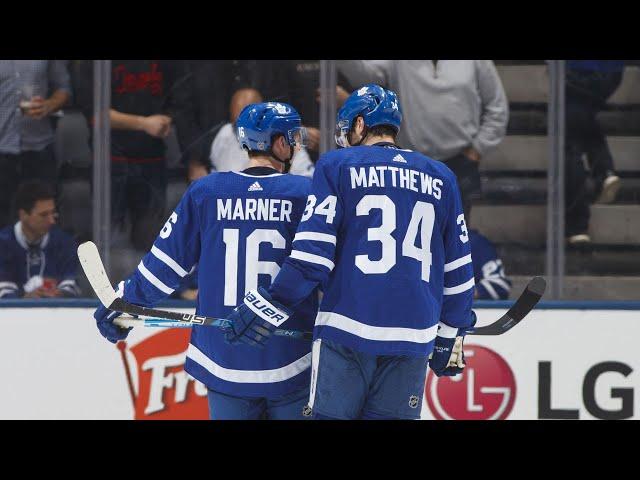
x=558 y=364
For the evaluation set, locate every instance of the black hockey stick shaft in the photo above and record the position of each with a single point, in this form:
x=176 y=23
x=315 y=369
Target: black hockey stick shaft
x=520 y=309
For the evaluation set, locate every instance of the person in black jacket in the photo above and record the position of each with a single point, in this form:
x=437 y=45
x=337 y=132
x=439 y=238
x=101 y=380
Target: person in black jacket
x=147 y=98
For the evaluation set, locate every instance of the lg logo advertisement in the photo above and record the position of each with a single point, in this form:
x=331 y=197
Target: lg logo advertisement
x=488 y=390
x=485 y=391
x=607 y=393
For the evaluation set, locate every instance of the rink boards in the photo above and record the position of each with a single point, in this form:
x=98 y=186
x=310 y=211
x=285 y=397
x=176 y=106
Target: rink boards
x=579 y=362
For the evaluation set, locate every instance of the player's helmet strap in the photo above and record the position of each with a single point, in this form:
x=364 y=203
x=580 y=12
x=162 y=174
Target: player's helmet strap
x=287 y=162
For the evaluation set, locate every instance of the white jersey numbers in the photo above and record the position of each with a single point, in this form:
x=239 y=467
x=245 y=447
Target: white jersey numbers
x=166 y=230
x=254 y=266
x=421 y=223
x=381 y=234
x=464 y=238
x=327 y=208
x=422 y=220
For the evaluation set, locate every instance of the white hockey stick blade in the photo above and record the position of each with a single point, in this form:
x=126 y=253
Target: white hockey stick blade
x=94 y=270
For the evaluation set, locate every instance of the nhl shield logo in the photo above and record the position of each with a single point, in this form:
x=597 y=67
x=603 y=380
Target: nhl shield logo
x=306 y=411
x=413 y=401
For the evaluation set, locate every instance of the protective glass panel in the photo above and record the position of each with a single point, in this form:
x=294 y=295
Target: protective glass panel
x=602 y=180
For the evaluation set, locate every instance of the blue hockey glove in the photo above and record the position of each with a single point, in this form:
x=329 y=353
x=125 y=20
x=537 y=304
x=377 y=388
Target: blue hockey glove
x=253 y=321
x=447 y=358
x=104 y=320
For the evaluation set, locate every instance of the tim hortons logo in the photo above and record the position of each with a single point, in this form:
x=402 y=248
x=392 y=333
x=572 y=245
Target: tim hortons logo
x=164 y=390
x=485 y=391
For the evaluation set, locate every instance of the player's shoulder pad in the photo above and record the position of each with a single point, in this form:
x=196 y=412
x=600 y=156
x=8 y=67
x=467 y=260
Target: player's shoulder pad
x=293 y=186
x=333 y=159
x=206 y=184
x=303 y=183
x=440 y=167
x=443 y=172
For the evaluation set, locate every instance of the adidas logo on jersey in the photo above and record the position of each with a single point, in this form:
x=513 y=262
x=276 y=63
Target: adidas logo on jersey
x=255 y=186
x=399 y=158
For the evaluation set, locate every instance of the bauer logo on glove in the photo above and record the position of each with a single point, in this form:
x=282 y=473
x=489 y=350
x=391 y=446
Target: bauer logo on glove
x=264 y=309
x=254 y=321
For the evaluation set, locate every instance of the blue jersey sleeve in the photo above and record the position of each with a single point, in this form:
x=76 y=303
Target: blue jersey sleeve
x=173 y=254
x=8 y=286
x=458 y=269
x=491 y=281
x=68 y=267
x=314 y=245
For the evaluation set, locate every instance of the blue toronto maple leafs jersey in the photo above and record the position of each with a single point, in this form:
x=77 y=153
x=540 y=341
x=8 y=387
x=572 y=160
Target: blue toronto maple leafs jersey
x=491 y=281
x=239 y=228
x=54 y=257
x=383 y=231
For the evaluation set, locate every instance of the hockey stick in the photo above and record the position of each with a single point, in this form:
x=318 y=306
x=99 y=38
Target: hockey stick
x=126 y=322
x=94 y=270
x=99 y=281
x=524 y=304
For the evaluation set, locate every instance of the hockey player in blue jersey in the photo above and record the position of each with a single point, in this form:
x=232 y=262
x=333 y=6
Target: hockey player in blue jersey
x=384 y=233
x=239 y=228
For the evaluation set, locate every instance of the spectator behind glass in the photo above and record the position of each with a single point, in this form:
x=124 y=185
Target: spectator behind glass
x=488 y=271
x=210 y=87
x=37 y=259
x=30 y=91
x=589 y=83
x=146 y=97
x=454 y=110
x=297 y=82
x=219 y=150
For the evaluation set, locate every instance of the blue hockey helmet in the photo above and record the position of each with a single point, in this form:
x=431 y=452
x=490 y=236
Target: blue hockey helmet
x=259 y=122
x=376 y=105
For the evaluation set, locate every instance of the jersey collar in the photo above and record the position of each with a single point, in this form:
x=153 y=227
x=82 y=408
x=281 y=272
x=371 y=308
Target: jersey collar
x=22 y=240
x=259 y=172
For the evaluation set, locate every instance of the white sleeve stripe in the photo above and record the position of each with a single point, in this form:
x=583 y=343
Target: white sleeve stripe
x=457 y=263
x=71 y=290
x=500 y=283
x=155 y=281
x=168 y=261
x=489 y=289
x=66 y=282
x=459 y=288
x=8 y=285
x=310 y=257
x=447 y=331
x=320 y=237
x=6 y=291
